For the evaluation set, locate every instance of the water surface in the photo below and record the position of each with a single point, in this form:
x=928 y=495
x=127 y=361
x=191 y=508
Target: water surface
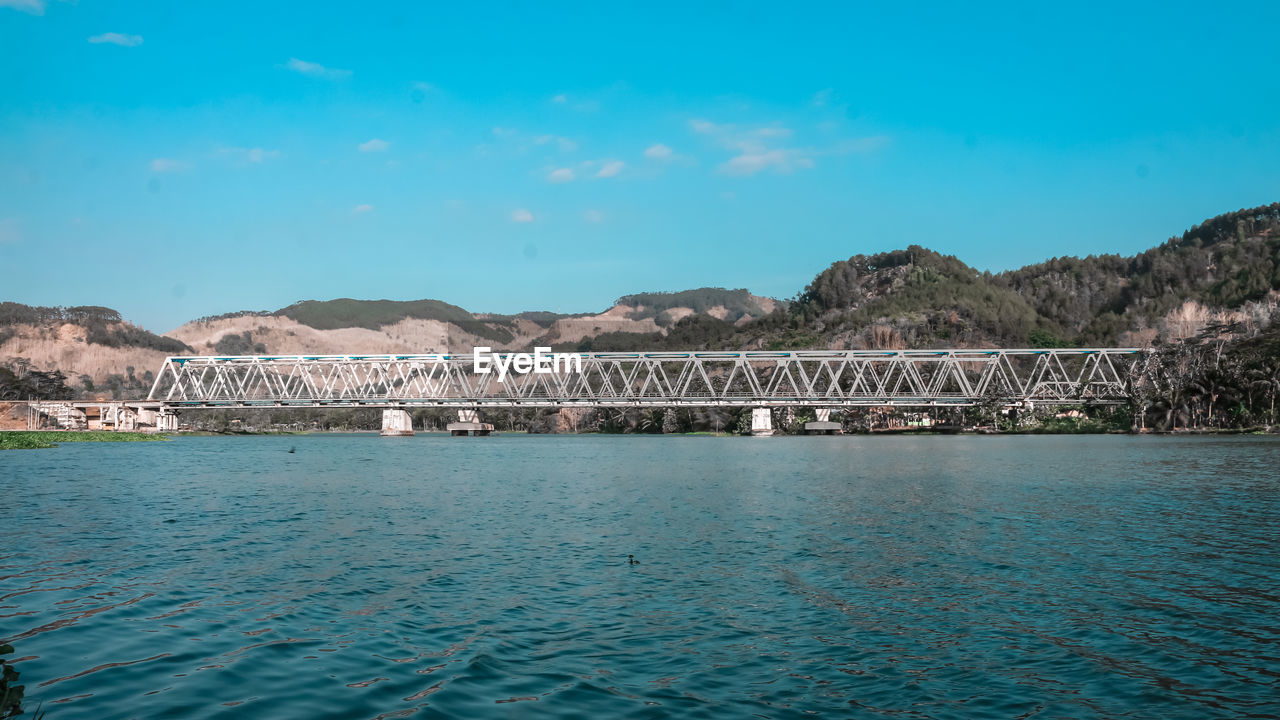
x=901 y=577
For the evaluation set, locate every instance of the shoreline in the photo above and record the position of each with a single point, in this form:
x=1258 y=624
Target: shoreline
x=44 y=439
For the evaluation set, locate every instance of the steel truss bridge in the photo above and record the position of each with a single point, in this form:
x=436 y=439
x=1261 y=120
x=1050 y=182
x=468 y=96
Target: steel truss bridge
x=814 y=378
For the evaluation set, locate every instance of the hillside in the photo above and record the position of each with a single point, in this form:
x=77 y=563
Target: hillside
x=101 y=354
x=92 y=346
x=1223 y=273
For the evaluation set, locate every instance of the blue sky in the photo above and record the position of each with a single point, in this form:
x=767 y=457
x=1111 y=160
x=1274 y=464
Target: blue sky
x=174 y=160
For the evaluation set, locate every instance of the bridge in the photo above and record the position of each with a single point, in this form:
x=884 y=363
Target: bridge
x=825 y=379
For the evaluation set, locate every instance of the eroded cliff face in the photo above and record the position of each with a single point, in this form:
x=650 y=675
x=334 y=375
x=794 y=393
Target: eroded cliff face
x=69 y=347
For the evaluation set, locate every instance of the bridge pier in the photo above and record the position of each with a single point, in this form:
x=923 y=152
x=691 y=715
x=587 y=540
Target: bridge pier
x=761 y=422
x=396 y=423
x=166 y=421
x=822 y=425
x=469 y=424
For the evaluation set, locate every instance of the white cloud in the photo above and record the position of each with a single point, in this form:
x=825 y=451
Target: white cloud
x=32 y=7
x=657 y=151
x=503 y=132
x=822 y=98
x=361 y=209
x=117 y=39
x=561 y=98
x=564 y=143
x=316 y=69
x=593 y=216
x=374 y=145
x=702 y=126
x=423 y=86
x=783 y=161
x=162 y=165
x=560 y=175
x=522 y=216
x=763 y=148
x=610 y=168
x=248 y=156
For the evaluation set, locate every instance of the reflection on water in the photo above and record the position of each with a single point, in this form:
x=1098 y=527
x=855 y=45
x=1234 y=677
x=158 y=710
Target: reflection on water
x=361 y=577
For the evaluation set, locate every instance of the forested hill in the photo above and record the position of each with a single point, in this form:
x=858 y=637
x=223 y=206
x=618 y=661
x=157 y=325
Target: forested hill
x=1223 y=274
x=1228 y=262
x=1225 y=271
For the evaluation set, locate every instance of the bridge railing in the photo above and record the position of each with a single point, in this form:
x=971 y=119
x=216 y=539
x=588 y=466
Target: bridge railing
x=823 y=378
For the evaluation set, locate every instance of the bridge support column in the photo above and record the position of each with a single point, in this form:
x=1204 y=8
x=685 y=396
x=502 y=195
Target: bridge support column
x=761 y=422
x=469 y=424
x=822 y=425
x=166 y=421
x=396 y=423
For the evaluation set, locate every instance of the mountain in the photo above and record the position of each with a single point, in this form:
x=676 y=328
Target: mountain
x=1222 y=274
x=101 y=353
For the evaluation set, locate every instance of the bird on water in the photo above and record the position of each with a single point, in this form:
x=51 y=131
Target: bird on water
x=631 y=560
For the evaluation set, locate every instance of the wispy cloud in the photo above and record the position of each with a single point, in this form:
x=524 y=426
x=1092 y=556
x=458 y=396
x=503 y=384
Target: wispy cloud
x=610 y=168
x=362 y=209
x=658 y=151
x=164 y=165
x=117 y=39
x=522 y=216
x=822 y=98
x=766 y=147
x=593 y=216
x=31 y=7
x=563 y=143
x=579 y=105
x=784 y=161
x=560 y=175
x=316 y=69
x=374 y=145
x=247 y=156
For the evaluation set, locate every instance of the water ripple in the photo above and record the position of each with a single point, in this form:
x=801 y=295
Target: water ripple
x=868 y=577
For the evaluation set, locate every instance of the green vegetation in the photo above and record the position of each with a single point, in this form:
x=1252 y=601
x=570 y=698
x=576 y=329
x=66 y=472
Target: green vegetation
x=103 y=326
x=374 y=314
x=242 y=344
x=19 y=382
x=737 y=303
x=10 y=692
x=37 y=439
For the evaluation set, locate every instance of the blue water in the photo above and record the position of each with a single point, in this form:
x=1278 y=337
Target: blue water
x=899 y=577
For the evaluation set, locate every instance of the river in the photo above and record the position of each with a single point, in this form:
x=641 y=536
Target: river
x=788 y=577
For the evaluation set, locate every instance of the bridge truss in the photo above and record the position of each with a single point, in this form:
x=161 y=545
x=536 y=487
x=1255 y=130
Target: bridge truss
x=815 y=378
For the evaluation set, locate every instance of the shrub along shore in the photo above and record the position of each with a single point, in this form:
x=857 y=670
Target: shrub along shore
x=36 y=439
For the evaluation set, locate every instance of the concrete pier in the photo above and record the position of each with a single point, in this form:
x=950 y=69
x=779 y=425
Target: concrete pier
x=823 y=425
x=397 y=423
x=469 y=425
x=166 y=421
x=761 y=422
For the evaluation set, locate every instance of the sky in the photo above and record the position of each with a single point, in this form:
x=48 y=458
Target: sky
x=176 y=160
